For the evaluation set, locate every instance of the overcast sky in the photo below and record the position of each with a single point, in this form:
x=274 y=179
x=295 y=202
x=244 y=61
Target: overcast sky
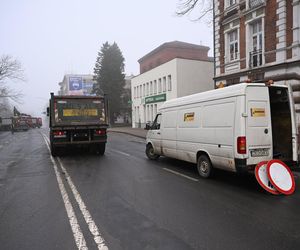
x=56 y=37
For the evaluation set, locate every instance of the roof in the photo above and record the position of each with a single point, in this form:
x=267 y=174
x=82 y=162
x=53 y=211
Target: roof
x=234 y=90
x=175 y=44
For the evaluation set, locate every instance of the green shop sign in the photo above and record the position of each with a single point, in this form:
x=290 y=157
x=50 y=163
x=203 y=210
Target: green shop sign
x=156 y=98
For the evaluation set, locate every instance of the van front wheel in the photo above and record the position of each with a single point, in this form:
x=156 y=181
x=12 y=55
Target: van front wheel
x=204 y=166
x=150 y=152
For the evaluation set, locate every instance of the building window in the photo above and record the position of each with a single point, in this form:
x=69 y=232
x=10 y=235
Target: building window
x=144 y=89
x=141 y=90
x=233 y=45
x=155 y=110
x=164 y=84
x=147 y=88
x=159 y=85
x=151 y=88
x=229 y=3
x=148 y=114
x=256 y=44
x=255 y=3
x=232 y=81
x=155 y=87
x=151 y=112
x=169 y=83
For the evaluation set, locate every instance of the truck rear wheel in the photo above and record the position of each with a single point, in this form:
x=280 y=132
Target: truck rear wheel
x=150 y=152
x=100 y=148
x=53 y=150
x=204 y=166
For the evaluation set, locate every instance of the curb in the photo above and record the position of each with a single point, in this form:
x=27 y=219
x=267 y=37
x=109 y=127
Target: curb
x=126 y=132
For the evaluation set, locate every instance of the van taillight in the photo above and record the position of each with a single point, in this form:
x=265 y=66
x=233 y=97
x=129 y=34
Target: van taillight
x=241 y=145
x=100 y=131
x=60 y=134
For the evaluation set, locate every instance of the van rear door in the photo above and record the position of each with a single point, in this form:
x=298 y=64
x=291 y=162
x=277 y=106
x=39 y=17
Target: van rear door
x=294 y=125
x=283 y=124
x=258 y=125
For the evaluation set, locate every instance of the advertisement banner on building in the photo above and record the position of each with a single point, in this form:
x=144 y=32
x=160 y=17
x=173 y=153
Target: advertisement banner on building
x=88 y=88
x=75 y=86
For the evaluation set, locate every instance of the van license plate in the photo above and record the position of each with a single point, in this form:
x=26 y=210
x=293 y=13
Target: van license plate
x=259 y=152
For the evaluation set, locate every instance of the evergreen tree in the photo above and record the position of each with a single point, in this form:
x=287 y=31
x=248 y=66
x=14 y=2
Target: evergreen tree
x=109 y=77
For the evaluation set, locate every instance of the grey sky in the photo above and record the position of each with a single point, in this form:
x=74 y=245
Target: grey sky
x=52 y=38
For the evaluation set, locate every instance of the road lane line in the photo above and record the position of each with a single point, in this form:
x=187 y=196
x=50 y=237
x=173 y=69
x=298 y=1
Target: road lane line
x=85 y=212
x=77 y=233
x=120 y=152
x=99 y=240
x=182 y=175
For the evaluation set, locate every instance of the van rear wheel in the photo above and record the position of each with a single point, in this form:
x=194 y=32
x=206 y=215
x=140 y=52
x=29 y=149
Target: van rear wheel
x=204 y=166
x=150 y=152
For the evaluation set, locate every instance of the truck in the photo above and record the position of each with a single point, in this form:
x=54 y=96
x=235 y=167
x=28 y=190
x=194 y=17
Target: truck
x=77 y=121
x=39 y=122
x=34 y=122
x=5 y=123
x=20 y=123
x=232 y=128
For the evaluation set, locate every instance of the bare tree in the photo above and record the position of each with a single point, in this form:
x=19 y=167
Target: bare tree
x=203 y=8
x=10 y=70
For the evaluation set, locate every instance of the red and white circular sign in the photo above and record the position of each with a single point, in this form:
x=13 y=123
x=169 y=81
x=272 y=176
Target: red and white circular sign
x=281 y=177
x=262 y=177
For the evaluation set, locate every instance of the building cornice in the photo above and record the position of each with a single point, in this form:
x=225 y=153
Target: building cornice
x=258 y=70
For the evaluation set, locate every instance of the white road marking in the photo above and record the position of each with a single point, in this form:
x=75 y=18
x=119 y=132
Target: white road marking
x=120 y=152
x=77 y=233
x=182 y=175
x=85 y=212
x=99 y=240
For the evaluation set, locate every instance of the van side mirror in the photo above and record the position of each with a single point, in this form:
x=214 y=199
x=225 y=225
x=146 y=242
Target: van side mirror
x=48 y=111
x=148 y=126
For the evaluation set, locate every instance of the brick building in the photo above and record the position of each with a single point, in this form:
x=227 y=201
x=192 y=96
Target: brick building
x=258 y=40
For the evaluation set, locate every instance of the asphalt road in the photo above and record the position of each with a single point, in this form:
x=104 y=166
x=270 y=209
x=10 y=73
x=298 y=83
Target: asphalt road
x=122 y=200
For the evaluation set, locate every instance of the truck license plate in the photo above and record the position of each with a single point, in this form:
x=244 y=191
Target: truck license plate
x=259 y=152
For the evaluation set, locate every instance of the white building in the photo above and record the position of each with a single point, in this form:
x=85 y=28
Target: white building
x=172 y=70
x=76 y=84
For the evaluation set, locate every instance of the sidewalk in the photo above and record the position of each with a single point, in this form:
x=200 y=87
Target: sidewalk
x=138 y=132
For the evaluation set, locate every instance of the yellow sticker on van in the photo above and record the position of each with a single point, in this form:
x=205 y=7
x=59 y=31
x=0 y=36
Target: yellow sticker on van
x=189 y=117
x=258 y=112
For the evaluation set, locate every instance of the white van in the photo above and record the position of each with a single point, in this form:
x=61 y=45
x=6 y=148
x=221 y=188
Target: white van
x=231 y=128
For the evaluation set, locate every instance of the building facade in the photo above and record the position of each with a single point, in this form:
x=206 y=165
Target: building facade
x=172 y=70
x=76 y=84
x=258 y=40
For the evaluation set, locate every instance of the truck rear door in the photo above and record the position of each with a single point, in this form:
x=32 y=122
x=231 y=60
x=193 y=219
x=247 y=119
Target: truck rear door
x=79 y=111
x=258 y=125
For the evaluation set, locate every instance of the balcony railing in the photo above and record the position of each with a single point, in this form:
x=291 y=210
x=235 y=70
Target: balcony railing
x=255 y=3
x=255 y=58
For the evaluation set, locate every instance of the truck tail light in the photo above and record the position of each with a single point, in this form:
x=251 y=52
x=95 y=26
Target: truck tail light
x=100 y=132
x=241 y=145
x=59 y=134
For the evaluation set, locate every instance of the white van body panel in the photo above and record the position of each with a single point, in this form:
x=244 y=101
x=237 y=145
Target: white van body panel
x=210 y=122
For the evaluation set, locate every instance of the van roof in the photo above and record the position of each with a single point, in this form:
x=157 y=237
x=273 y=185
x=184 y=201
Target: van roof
x=234 y=90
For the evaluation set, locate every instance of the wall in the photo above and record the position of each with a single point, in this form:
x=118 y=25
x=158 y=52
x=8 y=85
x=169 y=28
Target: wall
x=194 y=76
